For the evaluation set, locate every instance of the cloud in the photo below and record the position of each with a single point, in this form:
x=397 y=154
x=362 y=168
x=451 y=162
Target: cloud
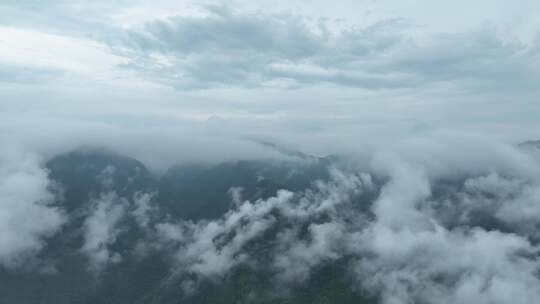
x=28 y=206
x=212 y=248
x=409 y=255
x=221 y=46
x=411 y=230
x=233 y=48
x=480 y=60
x=143 y=208
x=24 y=74
x=444 y=266
x=102 y=228
x=227 y=48
x=270 y=72
x=415 y=222
x=296 y=257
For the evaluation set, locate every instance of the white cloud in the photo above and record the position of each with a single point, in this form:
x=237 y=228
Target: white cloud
x=411 y=248
x=295 y=258
x=143 y=208
x=36 y=49
x=449 y=266
x=269 y=70
x=408 y=255
x=214 y=247
x=28 y=214
x=101 y=229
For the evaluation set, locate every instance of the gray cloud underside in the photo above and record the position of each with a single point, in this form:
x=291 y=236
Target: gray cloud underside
x=227 y=48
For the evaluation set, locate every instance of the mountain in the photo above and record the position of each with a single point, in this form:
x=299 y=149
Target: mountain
x=87 y=178
x=294 y=229
x=530 y=144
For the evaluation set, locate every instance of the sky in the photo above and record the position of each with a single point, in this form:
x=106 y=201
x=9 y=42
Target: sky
x=314 y=75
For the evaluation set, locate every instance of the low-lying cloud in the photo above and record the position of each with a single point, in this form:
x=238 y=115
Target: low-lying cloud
x=407 y=250
x=413 y=227
x=101 y=229
x=29 y=208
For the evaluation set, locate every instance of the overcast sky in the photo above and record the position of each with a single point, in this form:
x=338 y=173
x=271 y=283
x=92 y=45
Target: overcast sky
x=311 y=73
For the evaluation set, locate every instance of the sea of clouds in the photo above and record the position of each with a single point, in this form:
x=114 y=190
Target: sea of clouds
x=438 y=220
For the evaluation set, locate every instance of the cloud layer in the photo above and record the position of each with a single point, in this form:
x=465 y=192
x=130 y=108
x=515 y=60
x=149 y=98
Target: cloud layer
x=279 y=70
x=413 y=225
